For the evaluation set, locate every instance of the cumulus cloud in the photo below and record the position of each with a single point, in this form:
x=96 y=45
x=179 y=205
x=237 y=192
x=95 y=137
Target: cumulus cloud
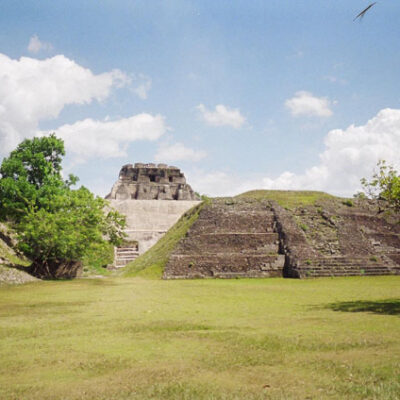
x=221 y=183
x=34 y=90
x=305 y=103
x=106 y=139
x=178 y=152
x=35 y=45
x=349 y=155
x=142 y=86
x=222 y=115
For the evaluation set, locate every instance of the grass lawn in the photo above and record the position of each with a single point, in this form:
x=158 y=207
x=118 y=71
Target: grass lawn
x=132 y=338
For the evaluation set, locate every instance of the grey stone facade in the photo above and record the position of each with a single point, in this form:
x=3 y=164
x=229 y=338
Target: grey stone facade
x=151 y=182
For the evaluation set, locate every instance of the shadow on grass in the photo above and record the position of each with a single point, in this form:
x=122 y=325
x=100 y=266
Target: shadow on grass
x=387 y=307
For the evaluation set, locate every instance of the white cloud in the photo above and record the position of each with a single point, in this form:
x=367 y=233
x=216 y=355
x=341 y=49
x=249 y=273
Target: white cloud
x=142 y=86
x=349 y=155
x=105 y=139
x=222 y=115
x=34 y=90
x=305 y=103
x=35 y=45
x=178 y=152
x=220 y=183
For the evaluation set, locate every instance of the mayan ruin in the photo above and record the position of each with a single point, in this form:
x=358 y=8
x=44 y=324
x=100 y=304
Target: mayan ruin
x=247 y=238
x=152 y=197
x=151 y=182
x=199 y=200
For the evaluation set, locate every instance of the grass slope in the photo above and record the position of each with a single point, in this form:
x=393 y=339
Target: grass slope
x=6 y=252
x=151 y=264
x=288 y=198
x=131 y=338
x=8 y=258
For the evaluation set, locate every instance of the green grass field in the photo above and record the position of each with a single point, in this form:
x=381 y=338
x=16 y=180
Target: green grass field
x=132 y=338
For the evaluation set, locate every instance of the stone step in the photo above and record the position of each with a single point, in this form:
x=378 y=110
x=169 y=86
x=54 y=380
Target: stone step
x=239 y=223
x=339 y=270
x=230 y=242
x=395 y=257
x=124 y=255
x=331 y=261
x=341 y=266
x=127 y=254
x=211 y=265
x=336 y=271
x=354 y=270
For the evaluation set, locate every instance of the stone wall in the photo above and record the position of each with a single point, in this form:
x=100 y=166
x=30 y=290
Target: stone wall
x=231 y=238
x=338 y=238
x=151 y=182
x=152 y=197
x=148 y=220
x=249 y=238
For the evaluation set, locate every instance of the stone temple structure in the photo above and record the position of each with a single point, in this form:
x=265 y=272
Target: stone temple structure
x=152 y=197
x=151 y=182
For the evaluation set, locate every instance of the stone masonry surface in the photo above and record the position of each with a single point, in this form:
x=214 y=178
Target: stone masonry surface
x=252 y=238
x=152 y=197
x=151 y=182
x=231 y=238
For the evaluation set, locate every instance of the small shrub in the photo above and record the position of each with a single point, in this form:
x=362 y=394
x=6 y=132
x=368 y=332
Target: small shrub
x=205 y=199
x=348 y=203
x=308 y=262
x=304 y=227
x=373 y=258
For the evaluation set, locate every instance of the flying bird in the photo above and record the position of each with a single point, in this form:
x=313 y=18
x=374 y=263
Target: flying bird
x=362 y=13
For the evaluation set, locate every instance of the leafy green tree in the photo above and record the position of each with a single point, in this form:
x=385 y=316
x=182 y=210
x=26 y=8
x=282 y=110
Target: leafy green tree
x=384 y=186
x=30 y=176
x=56 y=225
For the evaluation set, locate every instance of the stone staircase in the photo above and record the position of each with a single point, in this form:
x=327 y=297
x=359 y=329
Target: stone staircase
x=343 y=266
x=249 y=238
x=124 y=255
x=338 y=241
x=231 y=238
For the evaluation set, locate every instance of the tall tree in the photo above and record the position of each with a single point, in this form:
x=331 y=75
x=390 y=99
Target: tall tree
x=56 y=225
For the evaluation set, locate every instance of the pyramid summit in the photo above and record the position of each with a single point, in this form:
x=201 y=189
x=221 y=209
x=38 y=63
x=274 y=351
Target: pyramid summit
x=151 y=182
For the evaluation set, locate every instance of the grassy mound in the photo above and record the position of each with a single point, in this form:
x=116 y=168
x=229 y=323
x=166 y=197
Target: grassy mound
x=151 y=264
x=288 y=198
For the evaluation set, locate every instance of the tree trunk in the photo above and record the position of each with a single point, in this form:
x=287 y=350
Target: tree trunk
x=56 y=269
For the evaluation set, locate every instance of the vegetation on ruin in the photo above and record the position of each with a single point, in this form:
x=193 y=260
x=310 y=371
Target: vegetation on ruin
x=151 y=264
x=384 y=186
x=134 y=338
x=288 y=198
x=55 y=224
x=7 y=252
x=9 y=259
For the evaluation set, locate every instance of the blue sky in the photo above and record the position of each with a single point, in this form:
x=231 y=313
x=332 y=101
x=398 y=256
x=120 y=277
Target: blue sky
x=238 y=94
